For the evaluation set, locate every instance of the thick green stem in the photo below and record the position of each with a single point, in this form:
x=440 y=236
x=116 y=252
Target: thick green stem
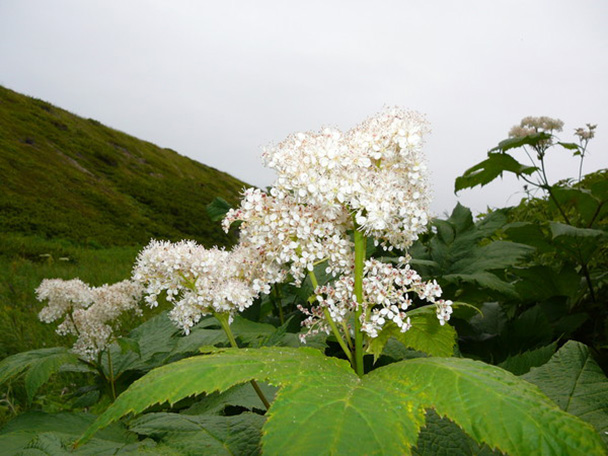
x=360 y=251
x=332 y=323
x=223 y=319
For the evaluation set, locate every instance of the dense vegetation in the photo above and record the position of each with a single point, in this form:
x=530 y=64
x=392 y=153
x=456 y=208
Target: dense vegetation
x=65 y=177
x=529 y=285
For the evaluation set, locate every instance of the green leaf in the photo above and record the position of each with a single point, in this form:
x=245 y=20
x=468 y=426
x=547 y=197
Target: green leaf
x=426 y=335
x=493 y=406
x=484 y=280
x=54 y=433
x=569 y=146
x=38 y=366
x=243 y=396
x=539 y=283
x=488 y=170
x=441 y=437
x=127 y=344
x=156 y=338
x=580 y=243
x=323 y=407
x=529 y=140
x=529 y=234
x=204 y=434
x=218 y=208
x=576 y=383
x=581 y=200
x=522 y=363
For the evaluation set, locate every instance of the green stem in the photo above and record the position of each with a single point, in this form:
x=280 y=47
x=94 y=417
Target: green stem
x=332 y=323
x=349 y=341
x=338 y=336
x=223 y=319
x=360 y=251
x=111 y=375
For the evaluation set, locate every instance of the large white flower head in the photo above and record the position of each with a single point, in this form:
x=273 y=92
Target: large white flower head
x=90 y=313
x=199 y=281
x=291 y=236
x=375 y=170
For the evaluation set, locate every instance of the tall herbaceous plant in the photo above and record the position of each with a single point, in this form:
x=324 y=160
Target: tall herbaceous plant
x=335 y=191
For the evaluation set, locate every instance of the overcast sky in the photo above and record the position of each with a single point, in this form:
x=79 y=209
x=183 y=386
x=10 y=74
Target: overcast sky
x=216 y=81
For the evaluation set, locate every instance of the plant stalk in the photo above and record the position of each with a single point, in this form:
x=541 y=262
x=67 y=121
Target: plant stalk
x=223 y=319
x=332 y=323
x=360 y=251
x=111 y=375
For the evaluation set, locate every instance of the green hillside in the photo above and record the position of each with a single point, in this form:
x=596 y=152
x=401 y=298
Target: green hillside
x=65 y=177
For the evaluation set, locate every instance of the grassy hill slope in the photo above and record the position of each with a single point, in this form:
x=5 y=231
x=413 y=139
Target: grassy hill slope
x=65 y=177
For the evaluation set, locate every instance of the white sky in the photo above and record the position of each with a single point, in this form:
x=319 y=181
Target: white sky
x=216 y=81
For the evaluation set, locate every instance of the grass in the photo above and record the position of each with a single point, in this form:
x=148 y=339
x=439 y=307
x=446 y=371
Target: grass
x=66 y=177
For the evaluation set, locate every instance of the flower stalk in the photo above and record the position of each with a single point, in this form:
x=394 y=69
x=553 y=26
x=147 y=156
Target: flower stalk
x=360 y=252
x=223 y=319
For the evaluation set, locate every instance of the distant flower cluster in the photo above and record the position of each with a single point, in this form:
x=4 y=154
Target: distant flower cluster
x=89 y=313
x=585 y=134
x=531 y=125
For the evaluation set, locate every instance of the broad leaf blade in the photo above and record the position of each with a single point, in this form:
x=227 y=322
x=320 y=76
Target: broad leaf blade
x=522 y=363
x=54 y=433
x=218 y=372
x=576 y=383
x=493 y=406
x=441 y=437
x=41 y=370
x=38 y=366
x=193 y=435
x=488 y=170
x=324 y=408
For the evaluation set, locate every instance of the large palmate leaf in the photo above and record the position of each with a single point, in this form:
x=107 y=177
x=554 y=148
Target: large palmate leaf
x=576 y=383
x=37 y=365
x=323 y=407
x=489 y=169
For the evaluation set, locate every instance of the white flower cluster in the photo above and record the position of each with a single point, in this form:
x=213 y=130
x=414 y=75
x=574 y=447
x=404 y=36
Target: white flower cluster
x=531 y=125
x=287 y=234
x=386 y=298
x=375 y=170
x=200 y=281
x=585 y=134
x=89 y=313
